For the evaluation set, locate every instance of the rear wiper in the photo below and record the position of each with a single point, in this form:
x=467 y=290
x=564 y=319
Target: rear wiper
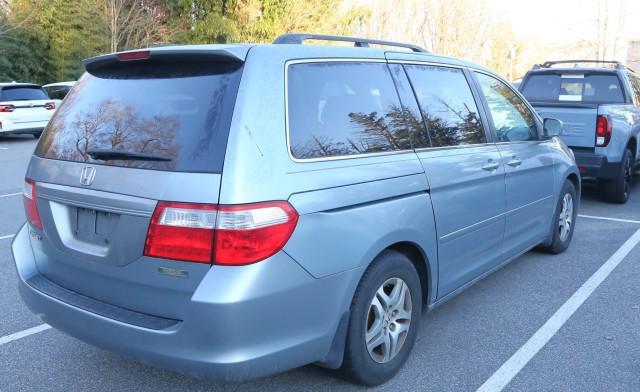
x=125 y=155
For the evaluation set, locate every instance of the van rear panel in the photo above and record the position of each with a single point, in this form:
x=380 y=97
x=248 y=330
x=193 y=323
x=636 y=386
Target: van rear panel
x=121 y=142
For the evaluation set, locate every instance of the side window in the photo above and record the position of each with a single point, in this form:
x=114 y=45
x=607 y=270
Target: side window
x=635 y=86
x=447 y=105
x=338 y=109
x=512 y=119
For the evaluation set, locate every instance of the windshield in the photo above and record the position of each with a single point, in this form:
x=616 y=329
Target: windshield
x=574 y=87
x=184 y=120
x=23 y=93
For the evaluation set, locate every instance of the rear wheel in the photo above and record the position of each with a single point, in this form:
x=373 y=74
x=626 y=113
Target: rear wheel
x=618 y=189
x=384 y=320
x=37 y=135
x=563 y=220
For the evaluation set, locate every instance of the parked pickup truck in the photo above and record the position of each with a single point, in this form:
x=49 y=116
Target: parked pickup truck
x=600 y=108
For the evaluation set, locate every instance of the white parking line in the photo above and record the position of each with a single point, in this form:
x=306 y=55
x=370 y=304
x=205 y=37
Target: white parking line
x=3 y=148
x=503 y=376
x=23 y=333
x=6 y=237
x=10 y=194
x=609 y=219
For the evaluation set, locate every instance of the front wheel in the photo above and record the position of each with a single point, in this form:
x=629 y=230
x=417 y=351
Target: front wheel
x=563 y=220
x=384 y=320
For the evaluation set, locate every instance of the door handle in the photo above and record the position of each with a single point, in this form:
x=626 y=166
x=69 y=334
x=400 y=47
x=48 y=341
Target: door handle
x=514 y=162
x=491 y=166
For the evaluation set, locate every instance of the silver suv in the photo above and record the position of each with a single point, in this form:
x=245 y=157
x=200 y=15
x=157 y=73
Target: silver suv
x=232 y=211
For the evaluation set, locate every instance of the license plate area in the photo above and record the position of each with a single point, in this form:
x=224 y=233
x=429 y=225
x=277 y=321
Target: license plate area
x=95 y=226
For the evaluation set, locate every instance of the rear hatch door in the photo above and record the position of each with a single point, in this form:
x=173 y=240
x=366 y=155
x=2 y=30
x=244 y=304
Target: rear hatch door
x=573 y=97
x=579 y=121
x=130 y=134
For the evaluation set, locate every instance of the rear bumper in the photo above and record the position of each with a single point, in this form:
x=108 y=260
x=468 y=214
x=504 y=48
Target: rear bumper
x=596 y=166
x=279 y=319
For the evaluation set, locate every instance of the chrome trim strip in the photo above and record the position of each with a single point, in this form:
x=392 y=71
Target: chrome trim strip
x=459 y=146
x=394 y=61
x=419 y=62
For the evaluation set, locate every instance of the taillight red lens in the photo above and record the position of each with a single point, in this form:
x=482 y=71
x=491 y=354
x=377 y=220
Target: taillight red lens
x=250 y=233
x=228 y=235
x=30 y=206
x=6 y=108
x=603 y=130
x=50 y=105
x=139 y=55
x=181 y=231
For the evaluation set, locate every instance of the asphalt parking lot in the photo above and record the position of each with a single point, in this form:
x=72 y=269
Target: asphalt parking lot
x=543 y=323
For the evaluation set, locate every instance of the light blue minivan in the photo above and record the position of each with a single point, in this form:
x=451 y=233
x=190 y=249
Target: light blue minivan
x=233 y=211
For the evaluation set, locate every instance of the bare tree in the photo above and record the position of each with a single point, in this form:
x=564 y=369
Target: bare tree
x=5 y=26
x=135 y=23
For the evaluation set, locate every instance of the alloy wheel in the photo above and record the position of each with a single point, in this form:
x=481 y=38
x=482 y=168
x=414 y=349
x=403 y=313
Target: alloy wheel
x=565 y=220
x=388 y=320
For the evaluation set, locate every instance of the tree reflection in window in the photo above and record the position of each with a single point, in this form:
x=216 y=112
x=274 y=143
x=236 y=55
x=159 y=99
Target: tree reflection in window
x=338 y=109
x=447 y=105
x=115 y=126
x=512 y=119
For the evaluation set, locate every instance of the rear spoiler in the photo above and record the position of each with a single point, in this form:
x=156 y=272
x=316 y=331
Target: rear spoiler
x=226 y=53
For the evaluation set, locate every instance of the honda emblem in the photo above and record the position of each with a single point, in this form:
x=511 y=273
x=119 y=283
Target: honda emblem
x=87 y=175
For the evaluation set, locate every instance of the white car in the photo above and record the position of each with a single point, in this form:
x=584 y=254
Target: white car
x=58 y=91
x=24 y=108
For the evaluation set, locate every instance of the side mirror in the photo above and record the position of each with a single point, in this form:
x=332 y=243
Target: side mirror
x=553 y=127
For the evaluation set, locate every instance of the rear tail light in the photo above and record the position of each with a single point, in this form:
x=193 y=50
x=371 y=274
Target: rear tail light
x=50 y=105
x=246 y=234
x=139 y=55
x=603 y=130
x=30 y=206
x=227 y=235
x=6 y=108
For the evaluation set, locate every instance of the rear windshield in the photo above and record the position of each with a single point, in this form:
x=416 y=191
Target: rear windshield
x=574 y=87
x=181 y=120
x=23 y=93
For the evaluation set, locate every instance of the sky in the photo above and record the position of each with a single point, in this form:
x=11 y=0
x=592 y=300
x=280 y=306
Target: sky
x=561 y=21
x=559 y=25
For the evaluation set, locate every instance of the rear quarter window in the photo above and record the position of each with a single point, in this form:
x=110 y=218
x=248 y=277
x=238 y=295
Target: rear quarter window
x=344 y=108
x=181 y=117
x=574 y=87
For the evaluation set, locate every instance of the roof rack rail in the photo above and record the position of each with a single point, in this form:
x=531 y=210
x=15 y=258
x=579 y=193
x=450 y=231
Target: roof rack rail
x=298 y=39
x=550 y=64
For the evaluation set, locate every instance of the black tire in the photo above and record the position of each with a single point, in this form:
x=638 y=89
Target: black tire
x=558 y=243
x=37 y=135
x=618 y=189
x=359 y=366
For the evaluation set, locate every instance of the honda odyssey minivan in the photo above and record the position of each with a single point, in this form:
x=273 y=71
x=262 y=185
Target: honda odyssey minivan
x=233 y=211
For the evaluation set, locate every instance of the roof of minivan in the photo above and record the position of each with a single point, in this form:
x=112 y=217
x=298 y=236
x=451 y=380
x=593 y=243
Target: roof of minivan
x=13 y=84
x=240 y=51
x=70 y=83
